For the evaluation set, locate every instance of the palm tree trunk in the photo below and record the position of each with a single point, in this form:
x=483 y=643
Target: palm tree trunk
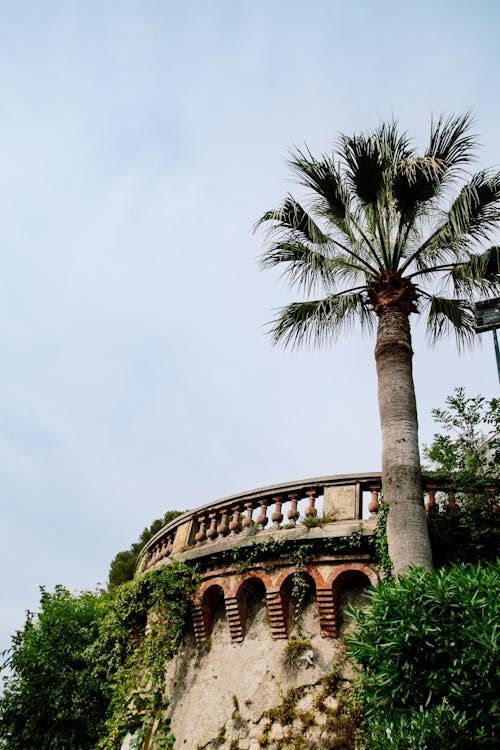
x=407 y=534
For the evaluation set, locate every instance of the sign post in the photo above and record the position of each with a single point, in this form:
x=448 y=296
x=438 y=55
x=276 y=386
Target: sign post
x=487 y=316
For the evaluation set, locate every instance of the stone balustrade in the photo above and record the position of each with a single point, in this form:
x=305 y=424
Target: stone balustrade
x=343 y=502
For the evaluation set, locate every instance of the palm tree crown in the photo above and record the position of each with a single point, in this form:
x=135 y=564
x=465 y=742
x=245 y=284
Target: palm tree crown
x=388 y=233
x=382 y=230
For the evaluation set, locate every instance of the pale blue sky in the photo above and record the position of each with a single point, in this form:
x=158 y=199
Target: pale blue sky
x=139 y=142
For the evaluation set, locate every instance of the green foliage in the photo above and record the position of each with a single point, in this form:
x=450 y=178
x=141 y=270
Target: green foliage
x=295 y=550
x=439 y=727
x=428 y=647
x=89 y=668
x=470 y=535
x=467 y=452
x=124 y=563
x=141 y=631
x=221 y=736
x=380 y=540
x=52 y=699
x=293 y=650
x=381 y=229
x=122 y=568
x=468 y=446
x=314 y=521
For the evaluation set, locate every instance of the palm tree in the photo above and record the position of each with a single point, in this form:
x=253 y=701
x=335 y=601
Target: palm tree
x=387 y=234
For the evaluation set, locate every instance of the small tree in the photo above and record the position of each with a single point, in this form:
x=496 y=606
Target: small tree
x=51 y=699
x=468 y=447
x=467 y=453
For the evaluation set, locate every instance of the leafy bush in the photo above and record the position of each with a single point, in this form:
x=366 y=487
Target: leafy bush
x=88 y=668
x=52 y=699
x=428 y=648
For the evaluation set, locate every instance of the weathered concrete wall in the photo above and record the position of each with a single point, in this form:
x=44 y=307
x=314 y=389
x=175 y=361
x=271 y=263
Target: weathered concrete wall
x=223 y=695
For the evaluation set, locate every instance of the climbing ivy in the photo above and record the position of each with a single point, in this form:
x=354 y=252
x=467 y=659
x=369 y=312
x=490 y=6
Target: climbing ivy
x=381 y=549
x=296 y=551
x=141 y=632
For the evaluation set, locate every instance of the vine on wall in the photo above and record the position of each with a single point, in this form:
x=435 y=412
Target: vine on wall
x=296 y=551
x=141 y=631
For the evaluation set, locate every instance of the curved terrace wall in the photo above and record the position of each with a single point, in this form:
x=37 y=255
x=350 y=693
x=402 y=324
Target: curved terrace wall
x=236 y=682
x=270 y=522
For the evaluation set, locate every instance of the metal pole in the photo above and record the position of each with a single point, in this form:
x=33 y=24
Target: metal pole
x=497 y=351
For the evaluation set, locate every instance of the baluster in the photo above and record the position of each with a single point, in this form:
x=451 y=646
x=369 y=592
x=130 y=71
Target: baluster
x=234 y=525
x=431 y=491
x=311 y=510
x=293 y=513
x=452 y=505
x=277 y=515
x=373 y=505
x=262 y=518
x=223 y=528
x=212 y=531
x=247 y=522
x=201 y=535
x=170 y=544
x=163 y=550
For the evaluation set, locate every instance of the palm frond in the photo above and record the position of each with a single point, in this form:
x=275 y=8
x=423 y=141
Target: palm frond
x=447 y=316
x=368 y=159
x=364 y=167
x=369 y=162
x=415 y=182
x=362 y=227
x=294 y=225
x=306 y=268
x=452 y=143
x=473 y=216
x=292 y=218
x=315 y=322
x=323 y=177
x=375 y=212
x=477 y=209
x=479 y=274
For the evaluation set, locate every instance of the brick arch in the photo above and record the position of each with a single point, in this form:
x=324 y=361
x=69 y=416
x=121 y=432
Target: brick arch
x=348 y=580
x=255 y=574
x=311 y=571
x=251 y=591
x=223 y=583
x=327 y=589
x=285 y=592
x=211 y=599
x=352 y=567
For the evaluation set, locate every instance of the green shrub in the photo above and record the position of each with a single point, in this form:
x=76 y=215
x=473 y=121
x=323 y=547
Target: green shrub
x=428 y=648
x=469 y=535
x=52 y=700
